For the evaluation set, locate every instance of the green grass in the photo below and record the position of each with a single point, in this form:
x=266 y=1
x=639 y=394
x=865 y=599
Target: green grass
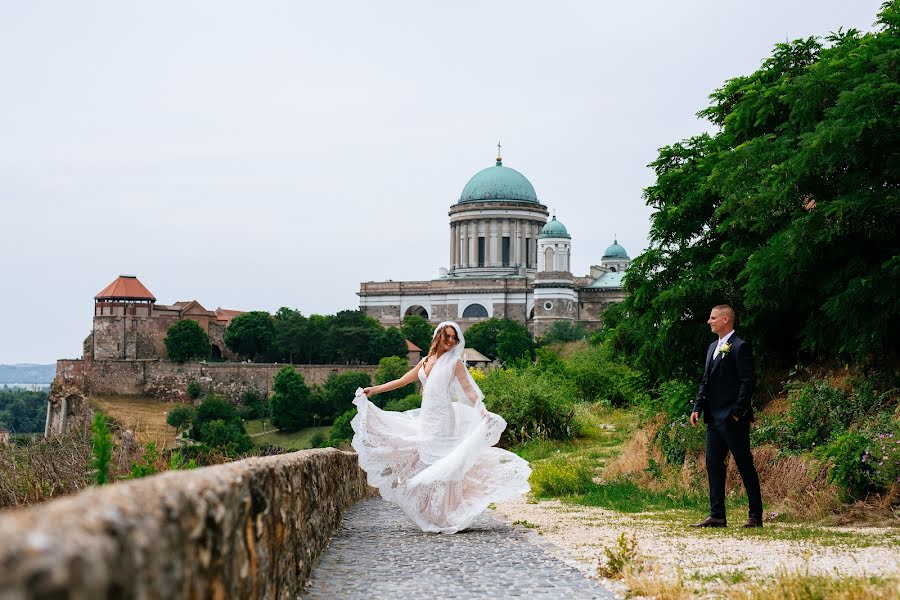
x=295 y=440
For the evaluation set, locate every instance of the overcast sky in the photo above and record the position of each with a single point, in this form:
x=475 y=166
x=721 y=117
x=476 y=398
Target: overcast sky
x=255 y=155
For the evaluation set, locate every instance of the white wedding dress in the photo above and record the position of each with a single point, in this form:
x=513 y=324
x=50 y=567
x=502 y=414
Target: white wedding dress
x=438 y=463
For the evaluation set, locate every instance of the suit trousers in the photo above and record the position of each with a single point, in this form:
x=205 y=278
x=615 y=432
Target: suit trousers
x=734 y=437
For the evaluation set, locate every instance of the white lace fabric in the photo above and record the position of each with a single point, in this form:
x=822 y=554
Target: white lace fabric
x=437 y=462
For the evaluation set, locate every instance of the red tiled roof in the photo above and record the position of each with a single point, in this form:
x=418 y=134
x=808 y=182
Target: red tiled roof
x=125 y=287
x=226 y=315
x=410 y=347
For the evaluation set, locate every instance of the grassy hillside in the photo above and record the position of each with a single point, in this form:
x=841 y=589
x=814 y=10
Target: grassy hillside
x=297 y=440
x=145 y=416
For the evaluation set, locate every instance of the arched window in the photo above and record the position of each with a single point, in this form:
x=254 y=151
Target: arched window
x=475 y=311
x=548 y=260
x=417 y=310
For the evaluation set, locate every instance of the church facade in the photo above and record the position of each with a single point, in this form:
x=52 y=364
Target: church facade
x=506 y=260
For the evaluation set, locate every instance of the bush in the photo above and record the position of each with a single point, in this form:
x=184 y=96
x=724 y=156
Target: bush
x=254 y=405
x=404 y=404
x=194 y=390
x=560 y=477
x=564 y=331
x=500 y=338
x=291 y=406
x=599 y=379
x=850 y=471
x=181 y=417
x=341 y=430
x=147 y=465
x=534 y=404
x=218 y=424
x=390 y=368
x=814 y=414
x=677 y=438
x=186 y=340
x=339 y=390
x=318 y=440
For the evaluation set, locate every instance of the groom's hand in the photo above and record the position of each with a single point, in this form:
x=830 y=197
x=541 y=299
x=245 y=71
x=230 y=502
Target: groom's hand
x=695 y=418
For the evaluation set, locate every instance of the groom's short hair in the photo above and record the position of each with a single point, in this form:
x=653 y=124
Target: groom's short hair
x=726 y=308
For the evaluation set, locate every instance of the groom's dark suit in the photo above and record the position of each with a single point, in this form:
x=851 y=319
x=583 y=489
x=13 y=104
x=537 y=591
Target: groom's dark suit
x=724 y=401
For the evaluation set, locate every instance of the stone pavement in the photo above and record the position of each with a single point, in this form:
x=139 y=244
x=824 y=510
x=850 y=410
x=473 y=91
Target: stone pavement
x=377 y=554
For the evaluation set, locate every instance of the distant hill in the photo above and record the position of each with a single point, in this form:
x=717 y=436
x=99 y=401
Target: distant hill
x=27 y=373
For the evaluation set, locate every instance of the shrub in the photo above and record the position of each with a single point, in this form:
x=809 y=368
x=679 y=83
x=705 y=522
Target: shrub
x=178 y=461
x=254 y=405
x=403 y=404
x=341 y=430
x=618 y=559
x=597 y=378
x=147 y=465
x=181 y=417
x=390 y=368
x=534 y=404
x=291 y=406
x=560 y=477
x=339 y=390
x=489 y=336
x=186 y=340
x=850 y=471
x=194 y=390
x=218 y=424
x=564 y=331
x=677 y=438
x=317 y=440
x=101 y=447
x=809 y=413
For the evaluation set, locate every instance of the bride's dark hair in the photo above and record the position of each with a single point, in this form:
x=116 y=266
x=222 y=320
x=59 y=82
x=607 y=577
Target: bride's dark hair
x=436 y=340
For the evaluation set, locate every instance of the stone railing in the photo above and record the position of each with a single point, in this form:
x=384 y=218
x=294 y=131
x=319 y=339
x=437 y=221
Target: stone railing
x=249 y=529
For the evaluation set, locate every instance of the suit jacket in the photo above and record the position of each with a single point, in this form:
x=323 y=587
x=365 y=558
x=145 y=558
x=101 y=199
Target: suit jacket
x=727 y=384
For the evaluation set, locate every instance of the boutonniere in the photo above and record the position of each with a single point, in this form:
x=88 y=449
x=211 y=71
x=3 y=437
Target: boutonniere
x=725 y=349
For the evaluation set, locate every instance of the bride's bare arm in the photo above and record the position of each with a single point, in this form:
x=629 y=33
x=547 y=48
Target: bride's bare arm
x=407 y=379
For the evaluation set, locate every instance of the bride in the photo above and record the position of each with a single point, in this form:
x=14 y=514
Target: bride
x=438 y=463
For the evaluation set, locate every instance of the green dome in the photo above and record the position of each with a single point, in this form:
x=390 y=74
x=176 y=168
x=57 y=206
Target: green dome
x=554 y=229
x=498 y=183
x=615 y=251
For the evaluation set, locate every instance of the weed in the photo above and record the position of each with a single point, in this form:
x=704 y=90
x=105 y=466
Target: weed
x=623 y=556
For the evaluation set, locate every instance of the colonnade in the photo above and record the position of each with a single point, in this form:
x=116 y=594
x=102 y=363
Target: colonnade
x=464 y=236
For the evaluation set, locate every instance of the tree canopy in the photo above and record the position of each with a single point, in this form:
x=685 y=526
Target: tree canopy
x=417 y=330
x=291 y=406
x=789 y=212
x=186 y=340
x=251 y=335
x=500 y=338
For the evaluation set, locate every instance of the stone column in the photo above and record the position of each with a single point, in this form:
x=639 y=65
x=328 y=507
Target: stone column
x=473 y=238
x=452 y=247
x=522 y=228
x=493 y=244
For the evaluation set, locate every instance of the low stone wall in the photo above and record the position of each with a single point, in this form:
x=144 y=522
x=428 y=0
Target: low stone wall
x=248 y=529
x=169 y=380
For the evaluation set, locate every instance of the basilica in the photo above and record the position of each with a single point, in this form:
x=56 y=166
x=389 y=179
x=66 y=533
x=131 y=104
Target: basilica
x=506 y=260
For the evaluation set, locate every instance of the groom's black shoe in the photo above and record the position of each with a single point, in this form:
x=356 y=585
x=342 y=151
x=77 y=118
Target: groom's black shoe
x=752 y=522
x=710 y=522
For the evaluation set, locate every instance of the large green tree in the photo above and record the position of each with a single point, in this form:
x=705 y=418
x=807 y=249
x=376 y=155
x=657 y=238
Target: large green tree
x=186 y=340
x=789 y=212
x=251 y=335
x=500 y=338
x=339 y=390
x=291 y=335
x=417 y=330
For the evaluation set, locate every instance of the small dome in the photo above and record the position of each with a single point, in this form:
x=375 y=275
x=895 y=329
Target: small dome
x=554 y=229
x=615 y=251
x=498 y=183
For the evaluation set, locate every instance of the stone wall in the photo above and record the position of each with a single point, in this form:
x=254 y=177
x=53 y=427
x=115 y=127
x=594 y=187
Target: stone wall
x=168 y=380
x=248 y=529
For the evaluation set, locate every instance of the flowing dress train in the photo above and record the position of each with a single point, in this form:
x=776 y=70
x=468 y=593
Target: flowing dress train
x=437 y=462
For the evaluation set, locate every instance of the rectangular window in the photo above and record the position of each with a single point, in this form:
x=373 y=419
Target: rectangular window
x=504 y=252
x=481 y=251
x=528 y=252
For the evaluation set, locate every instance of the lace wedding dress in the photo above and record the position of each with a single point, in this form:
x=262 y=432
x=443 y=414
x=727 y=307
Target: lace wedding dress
x=438 y=463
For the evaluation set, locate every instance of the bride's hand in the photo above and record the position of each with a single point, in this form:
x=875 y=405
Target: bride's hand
x=369 y=391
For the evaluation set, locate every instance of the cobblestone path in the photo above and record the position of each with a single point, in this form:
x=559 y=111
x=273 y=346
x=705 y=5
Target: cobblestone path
x=377 y=554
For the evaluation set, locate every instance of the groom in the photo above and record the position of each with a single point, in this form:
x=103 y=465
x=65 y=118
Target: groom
x=724 y=400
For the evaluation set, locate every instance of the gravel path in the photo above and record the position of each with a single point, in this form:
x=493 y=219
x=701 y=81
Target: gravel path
x=580 y=533
x=378 y=554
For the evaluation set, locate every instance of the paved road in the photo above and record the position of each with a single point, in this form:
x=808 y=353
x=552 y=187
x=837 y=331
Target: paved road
x=377 y=554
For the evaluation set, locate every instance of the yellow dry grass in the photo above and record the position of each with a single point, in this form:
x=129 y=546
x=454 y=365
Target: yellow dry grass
x=145 y=416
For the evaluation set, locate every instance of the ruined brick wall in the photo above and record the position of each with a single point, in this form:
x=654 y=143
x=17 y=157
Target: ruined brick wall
x=248 y=529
